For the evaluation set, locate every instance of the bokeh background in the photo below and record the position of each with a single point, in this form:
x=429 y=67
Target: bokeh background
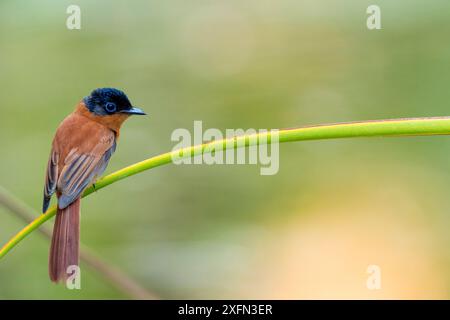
x=311 y=231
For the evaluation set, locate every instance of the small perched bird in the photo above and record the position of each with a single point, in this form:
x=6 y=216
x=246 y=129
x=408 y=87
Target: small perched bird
x=81 y=149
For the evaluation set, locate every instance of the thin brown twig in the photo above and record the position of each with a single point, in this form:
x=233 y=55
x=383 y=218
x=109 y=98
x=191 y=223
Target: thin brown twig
x=110 y=273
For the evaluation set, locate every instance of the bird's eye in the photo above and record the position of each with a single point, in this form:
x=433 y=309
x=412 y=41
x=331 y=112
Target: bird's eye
x=110 y=107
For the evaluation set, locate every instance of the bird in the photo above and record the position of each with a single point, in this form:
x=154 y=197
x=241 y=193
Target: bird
x=81 y=149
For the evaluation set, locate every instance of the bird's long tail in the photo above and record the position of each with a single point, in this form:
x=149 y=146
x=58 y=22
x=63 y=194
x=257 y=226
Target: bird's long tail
x=64 y=250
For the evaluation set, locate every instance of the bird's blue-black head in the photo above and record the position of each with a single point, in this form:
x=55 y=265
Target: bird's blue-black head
x=109 y=101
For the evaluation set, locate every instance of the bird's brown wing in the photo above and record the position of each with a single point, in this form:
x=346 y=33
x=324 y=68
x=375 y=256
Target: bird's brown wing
x=51 y=179
x=80 y=172
x=78 y=157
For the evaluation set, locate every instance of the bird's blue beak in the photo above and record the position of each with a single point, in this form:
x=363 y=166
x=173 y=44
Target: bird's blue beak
x=134 y=110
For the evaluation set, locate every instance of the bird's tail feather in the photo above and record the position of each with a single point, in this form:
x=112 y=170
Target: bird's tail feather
x=64 y=250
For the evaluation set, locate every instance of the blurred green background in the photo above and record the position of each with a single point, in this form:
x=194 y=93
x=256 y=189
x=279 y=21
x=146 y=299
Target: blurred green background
x=311 y=231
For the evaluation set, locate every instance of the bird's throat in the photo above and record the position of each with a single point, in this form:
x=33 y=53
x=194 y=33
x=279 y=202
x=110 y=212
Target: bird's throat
x=113 y=122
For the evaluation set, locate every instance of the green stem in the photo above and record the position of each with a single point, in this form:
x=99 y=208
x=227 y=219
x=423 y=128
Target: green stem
x=376 y=128
x=110 y=273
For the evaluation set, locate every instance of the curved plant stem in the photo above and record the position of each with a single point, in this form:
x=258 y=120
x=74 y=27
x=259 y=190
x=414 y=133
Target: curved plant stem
x=373 y=128
x=109 y=272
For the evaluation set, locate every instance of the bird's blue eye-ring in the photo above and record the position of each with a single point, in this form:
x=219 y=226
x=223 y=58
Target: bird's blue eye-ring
x=110 y=107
